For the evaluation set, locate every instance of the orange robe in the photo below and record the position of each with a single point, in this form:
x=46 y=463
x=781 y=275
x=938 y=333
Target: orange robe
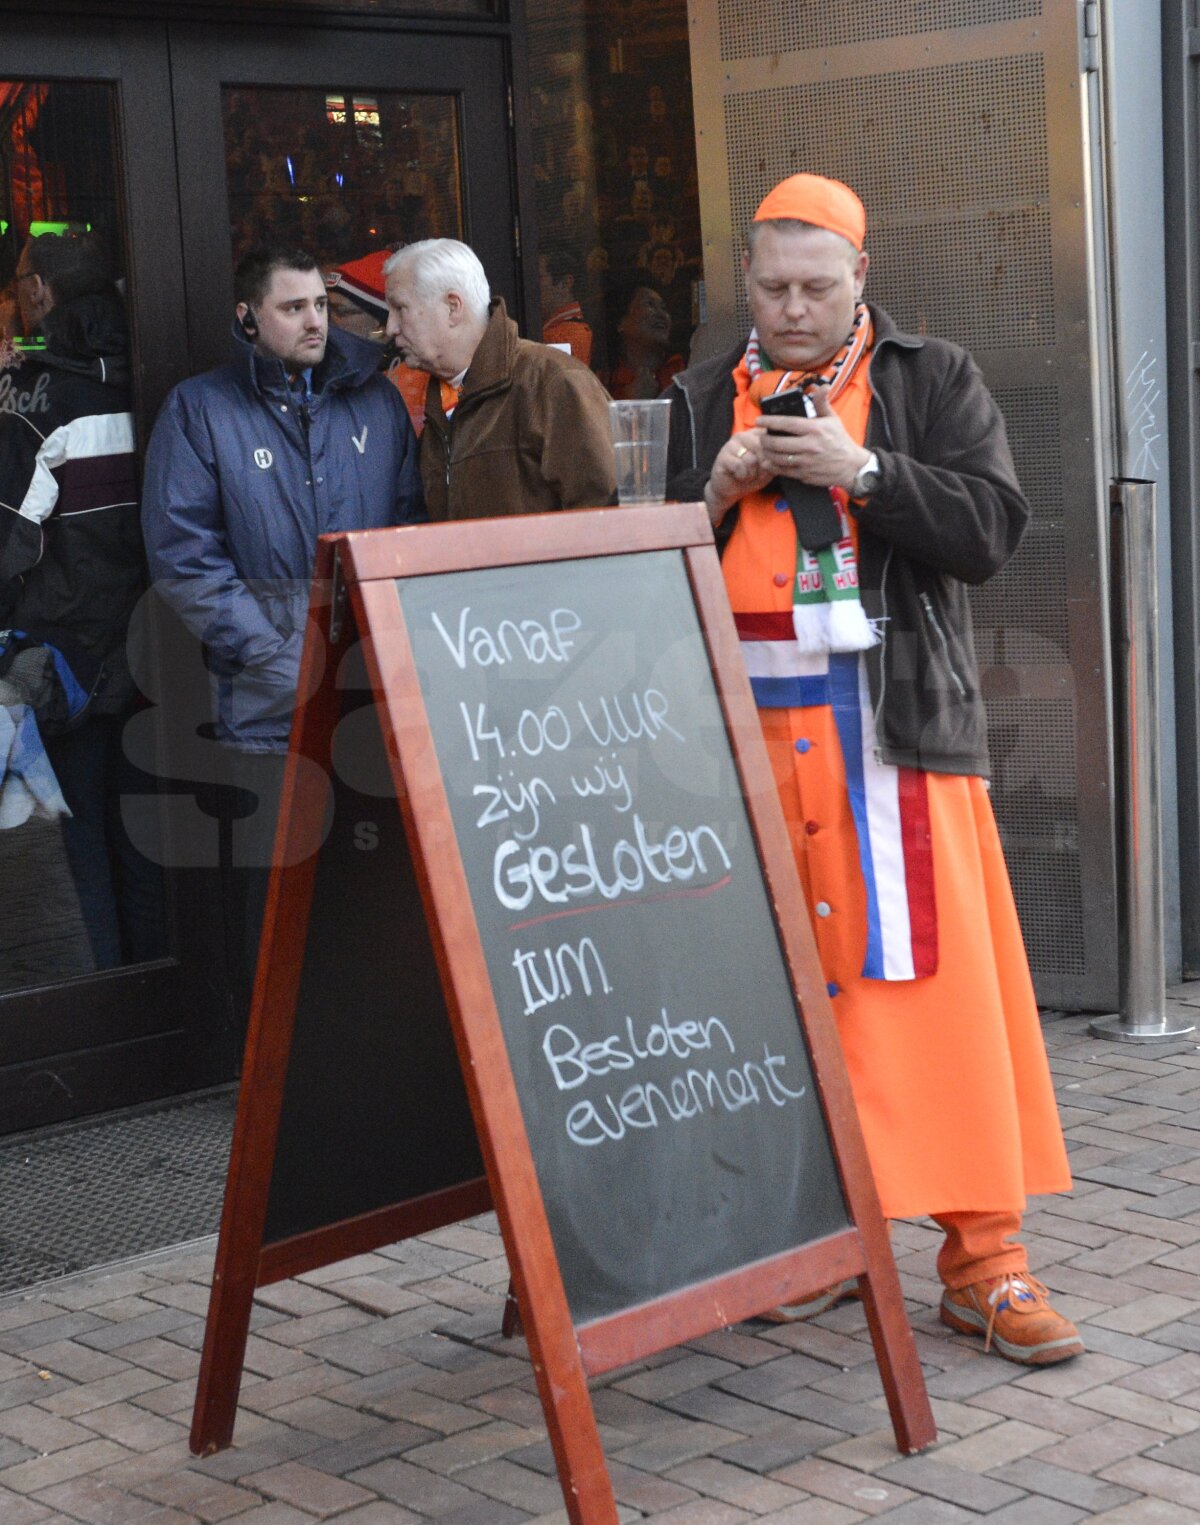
x=948 y=1071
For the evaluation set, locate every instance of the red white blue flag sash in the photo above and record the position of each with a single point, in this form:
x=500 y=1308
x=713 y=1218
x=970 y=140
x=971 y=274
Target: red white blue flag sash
x=890 y=805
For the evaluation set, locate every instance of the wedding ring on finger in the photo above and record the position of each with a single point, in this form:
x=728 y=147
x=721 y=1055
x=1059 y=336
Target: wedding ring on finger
x=742 y=451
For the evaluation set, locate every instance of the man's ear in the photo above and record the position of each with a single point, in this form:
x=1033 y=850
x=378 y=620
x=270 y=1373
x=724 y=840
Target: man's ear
x=456 y=308
x=860 y=273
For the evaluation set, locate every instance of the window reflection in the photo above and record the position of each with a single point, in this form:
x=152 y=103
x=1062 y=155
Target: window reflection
x=614 y=165
x=79 y=896
x=347 y=175
x=340 y=172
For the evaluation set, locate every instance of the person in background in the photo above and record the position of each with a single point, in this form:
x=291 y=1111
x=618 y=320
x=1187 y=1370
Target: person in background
x=353 y=306
x=298 y=436
x=358 y=306
x=512 y=427
x=851 y=602
x=563 y=321
x=72 y=569
x=640 y=341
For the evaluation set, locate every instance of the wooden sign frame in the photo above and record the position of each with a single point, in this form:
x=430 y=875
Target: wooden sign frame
x=363 y=568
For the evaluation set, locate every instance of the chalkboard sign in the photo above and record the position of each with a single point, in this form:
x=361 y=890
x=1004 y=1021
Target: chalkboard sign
x=609 y=902
x=371 y=1039
x=646 y=1007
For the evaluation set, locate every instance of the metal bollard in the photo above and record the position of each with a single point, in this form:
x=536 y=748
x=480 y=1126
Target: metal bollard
x=1143 y=1017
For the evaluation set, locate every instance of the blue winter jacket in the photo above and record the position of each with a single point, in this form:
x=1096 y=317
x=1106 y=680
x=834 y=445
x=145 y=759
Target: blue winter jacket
x=241 y=477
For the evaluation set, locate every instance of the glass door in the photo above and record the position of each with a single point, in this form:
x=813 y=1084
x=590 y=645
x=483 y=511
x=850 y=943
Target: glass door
x=345 y=143
x=100 y=1003
x=180 y=145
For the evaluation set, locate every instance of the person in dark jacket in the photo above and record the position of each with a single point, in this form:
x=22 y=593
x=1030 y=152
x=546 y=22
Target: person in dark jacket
x=298 y=436
x=72 y=569
x=850 y=523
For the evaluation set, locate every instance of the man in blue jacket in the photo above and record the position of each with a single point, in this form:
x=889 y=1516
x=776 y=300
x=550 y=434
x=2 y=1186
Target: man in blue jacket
x=298 y=436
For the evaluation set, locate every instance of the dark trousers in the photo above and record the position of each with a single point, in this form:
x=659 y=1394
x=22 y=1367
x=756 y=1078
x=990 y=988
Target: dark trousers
x=250 y=809
x=121 y=891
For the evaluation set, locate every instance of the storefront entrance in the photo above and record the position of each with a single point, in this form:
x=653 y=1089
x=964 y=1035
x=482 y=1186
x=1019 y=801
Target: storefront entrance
x=183 y=143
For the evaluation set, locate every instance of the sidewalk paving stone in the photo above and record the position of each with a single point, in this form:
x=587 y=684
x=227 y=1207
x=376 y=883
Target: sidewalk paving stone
x=868 y=1496
x=379 y=1391
x=95 y=1502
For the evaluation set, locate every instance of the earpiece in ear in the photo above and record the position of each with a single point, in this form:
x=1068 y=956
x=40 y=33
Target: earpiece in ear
x=249 y=324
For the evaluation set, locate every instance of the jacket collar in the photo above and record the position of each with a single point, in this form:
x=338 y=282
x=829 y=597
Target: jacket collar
x=491 y=365
x=349 y=362
x=886 y=331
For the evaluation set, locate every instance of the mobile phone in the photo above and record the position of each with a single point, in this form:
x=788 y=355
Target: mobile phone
x=793 y=404
x=816 y=516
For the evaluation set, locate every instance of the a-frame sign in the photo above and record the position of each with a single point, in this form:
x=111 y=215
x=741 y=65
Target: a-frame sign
x=549 y=953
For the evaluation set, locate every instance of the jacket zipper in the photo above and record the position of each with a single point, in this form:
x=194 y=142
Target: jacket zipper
x=446 y=453
x=883 y=627
x=927 y=605
x=887 y=562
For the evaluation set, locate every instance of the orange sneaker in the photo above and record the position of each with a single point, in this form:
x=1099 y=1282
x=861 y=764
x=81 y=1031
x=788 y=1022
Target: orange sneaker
x=820 y=1302
x=1012 y=1313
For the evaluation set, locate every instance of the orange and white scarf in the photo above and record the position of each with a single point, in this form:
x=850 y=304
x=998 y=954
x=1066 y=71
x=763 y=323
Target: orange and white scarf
x=826 y=611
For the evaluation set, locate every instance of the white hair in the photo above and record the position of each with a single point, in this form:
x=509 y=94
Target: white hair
x=438 y=265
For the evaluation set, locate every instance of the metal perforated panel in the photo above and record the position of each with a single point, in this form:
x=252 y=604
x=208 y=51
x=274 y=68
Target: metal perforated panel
x=1026 y=604
x=955 y=136
x=969 y=138
x=1048 y=889
x=1035 y=434
x=959 y=124
x=985 y=282
x=1033 y=791
x=1021 y=616
x=753 y=28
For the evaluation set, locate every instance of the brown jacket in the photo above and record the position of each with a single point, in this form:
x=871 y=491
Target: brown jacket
x=530 y=433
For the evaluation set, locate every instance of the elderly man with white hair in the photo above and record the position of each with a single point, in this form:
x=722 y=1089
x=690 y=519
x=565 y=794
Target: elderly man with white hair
x=512 y=427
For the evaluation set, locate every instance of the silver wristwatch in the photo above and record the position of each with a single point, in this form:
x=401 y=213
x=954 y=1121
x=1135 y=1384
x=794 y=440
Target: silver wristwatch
x=867 y=478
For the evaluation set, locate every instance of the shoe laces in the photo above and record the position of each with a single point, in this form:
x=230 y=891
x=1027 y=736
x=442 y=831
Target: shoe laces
x=1011 y=1290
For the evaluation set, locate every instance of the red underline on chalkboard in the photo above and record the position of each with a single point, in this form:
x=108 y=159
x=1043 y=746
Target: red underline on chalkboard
x=616 y=905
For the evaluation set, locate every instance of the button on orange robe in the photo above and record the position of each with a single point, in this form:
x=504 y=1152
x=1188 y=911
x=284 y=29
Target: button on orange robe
x=949 y=1071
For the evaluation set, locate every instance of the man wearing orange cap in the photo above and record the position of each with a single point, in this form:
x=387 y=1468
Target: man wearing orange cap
x=358 y=305
x=850 y=525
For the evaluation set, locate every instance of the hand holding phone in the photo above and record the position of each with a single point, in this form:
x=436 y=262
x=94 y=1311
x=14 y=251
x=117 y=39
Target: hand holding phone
x=816 y=516
x=792 y=404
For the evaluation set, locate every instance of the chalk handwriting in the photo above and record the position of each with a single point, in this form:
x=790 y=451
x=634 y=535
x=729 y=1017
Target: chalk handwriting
x=478 y=731
x=649 y=1105
x=622 y=718
x=572 y=1062
x=519 y=803
x=558 y=985
x=558 y=876
x=606 y=778
x=534 y=640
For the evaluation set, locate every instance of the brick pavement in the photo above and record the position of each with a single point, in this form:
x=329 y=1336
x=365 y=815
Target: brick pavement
x=378 y=1391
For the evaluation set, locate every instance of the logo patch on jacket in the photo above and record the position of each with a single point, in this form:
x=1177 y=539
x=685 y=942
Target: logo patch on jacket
x=360 y=441
x=263 y=459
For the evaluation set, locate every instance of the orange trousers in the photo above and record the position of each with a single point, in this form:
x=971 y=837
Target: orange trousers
x=976 y=1247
